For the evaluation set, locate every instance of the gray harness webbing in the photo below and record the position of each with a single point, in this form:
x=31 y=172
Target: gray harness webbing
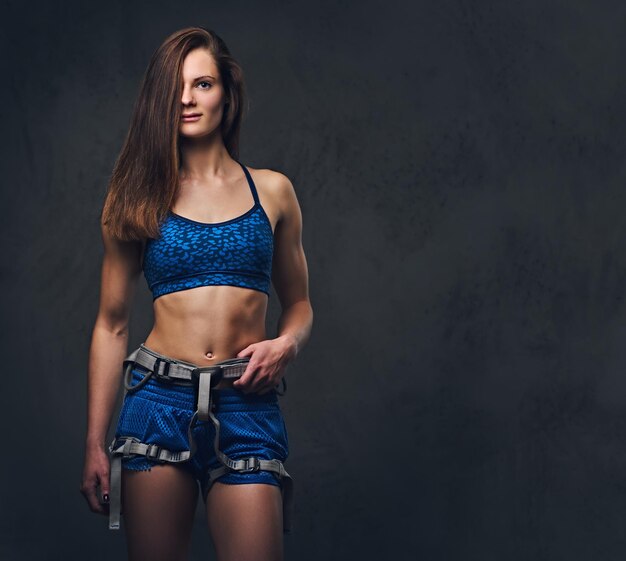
x=185 y=373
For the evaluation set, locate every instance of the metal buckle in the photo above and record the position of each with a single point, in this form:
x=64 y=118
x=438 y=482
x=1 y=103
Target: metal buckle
x=150 y=451
x=249 y=469
x=215 y=377
x=165 y=376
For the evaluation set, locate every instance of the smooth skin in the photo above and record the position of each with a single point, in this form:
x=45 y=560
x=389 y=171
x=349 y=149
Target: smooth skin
x=202 y=325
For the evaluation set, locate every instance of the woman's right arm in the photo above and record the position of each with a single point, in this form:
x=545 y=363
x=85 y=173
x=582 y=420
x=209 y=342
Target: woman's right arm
x=121 y=267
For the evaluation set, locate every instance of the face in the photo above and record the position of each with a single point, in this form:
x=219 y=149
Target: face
x=202 y=95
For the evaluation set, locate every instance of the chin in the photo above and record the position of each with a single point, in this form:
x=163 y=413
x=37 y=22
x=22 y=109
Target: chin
x=198 y=133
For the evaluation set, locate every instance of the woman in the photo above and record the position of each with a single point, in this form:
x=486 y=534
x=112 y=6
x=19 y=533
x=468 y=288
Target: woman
x=210 y=234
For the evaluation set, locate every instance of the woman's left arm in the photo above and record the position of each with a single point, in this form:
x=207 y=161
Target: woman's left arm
x=269 y=358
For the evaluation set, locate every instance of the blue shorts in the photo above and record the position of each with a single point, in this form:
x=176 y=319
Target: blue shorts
x=250 y=425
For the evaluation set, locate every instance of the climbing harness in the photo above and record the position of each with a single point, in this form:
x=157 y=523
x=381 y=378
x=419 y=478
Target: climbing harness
x=205 y=378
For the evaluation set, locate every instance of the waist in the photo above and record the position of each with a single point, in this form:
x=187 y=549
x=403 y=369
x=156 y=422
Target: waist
x=150 y=357
x=184 y=397
x=200 y=355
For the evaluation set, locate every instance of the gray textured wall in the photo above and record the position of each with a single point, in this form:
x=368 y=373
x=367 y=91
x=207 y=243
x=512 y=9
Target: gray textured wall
x=460 y=171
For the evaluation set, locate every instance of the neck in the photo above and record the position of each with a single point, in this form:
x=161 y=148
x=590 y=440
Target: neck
x=203 y=158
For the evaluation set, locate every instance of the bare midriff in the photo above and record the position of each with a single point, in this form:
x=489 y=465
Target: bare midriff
x=207 y=324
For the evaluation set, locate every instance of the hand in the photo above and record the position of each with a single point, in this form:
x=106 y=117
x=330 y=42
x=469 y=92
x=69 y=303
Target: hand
x=268 y=362
x=96 y=474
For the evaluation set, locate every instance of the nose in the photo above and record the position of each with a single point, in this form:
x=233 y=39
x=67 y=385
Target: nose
x=186 y=97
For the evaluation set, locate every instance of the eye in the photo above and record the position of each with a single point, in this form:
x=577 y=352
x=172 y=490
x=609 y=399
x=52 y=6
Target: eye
x=207 y=83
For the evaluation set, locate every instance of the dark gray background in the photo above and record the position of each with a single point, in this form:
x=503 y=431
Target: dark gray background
x=461 y=175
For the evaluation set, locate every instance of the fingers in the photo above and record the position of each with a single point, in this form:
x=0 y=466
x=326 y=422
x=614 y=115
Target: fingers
x=245 y=382
x=257 y=384
x=96 y=476
x=90 y=492
x=257 y=378
x=252 y=381
x=246 y=352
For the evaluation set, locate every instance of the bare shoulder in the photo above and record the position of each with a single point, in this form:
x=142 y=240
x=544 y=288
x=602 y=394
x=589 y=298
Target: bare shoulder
x=275 y=190
x=272 y=181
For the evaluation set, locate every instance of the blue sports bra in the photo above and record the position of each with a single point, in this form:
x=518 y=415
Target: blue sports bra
x=187 y=254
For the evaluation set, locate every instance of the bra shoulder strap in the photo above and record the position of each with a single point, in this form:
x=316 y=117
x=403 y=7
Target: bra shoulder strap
x=250 y=183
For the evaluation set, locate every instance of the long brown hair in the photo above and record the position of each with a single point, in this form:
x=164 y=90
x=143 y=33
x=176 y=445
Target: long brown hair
x=145 y=177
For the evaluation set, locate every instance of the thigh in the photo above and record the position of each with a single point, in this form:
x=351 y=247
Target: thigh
x=246 y=521
x=158 y=500
x=159 y=507
x=245 y=510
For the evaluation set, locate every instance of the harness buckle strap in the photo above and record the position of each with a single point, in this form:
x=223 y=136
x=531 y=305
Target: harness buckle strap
x=251 y=464
x=162 y=376
x=127 y=445
x=216 y=373
x=153 y=451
